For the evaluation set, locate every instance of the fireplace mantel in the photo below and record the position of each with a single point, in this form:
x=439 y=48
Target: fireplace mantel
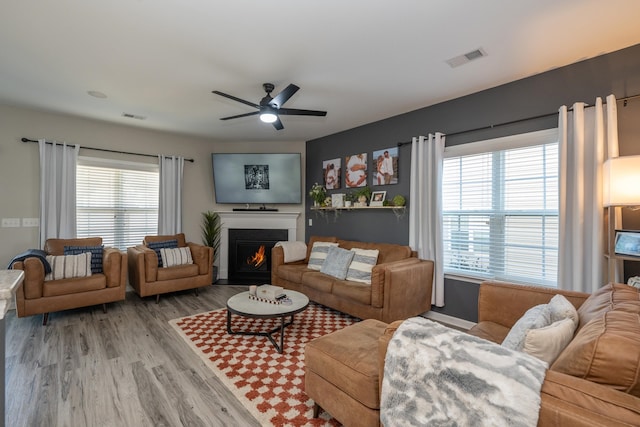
x=252 y=219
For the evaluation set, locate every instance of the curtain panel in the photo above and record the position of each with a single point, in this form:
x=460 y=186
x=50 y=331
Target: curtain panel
x=170 y=197
x=58 y=163
x=425 y=209
x=588 y=137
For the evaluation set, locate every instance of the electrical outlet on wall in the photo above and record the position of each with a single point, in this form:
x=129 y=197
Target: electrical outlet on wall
x=11 y=222
x=30 y=222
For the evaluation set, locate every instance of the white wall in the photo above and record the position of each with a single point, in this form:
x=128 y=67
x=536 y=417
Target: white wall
x=19 y=166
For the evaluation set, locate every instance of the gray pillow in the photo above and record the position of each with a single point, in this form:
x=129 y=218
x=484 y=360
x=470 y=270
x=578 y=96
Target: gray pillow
x=535 y=318
x=337 y=262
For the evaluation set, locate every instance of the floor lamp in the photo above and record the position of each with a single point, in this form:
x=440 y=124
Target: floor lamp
x=621 y=179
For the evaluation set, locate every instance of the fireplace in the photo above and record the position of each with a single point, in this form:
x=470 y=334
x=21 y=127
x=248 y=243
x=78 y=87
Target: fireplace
x=250 y=253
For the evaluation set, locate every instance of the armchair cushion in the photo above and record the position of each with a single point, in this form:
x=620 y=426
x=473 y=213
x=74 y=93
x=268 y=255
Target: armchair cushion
x=156 y=246
x=176 y=256
x=69 y=266
x=96 y=255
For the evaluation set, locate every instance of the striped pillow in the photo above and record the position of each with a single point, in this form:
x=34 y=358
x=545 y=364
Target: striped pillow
x=362 y=265
x=319 y=254
x=176 y=256
x=156 y=246
x=69 y=266
x=96 y=255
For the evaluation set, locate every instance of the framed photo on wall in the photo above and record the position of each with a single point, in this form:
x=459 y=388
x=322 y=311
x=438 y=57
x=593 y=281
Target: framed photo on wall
x=356 y=175
x=385 y=168
x=332 y=171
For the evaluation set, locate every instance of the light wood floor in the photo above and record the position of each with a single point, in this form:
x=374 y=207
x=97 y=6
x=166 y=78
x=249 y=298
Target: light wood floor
x=126 y=367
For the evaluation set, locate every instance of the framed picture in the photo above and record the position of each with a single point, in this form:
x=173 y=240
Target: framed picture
x=377 y=198
x=332 y=171
x=337 y=200
x=385 y=166
x=356 y=170
x=627 y=243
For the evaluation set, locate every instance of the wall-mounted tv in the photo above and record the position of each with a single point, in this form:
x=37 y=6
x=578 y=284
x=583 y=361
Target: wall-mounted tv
x=263 y=178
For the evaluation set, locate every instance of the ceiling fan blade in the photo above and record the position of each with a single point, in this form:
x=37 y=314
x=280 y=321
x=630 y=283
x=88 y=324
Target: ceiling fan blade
x=283 y=96
x=278 y=124
x=297 y=112
x=241 y=115
x=226 y=95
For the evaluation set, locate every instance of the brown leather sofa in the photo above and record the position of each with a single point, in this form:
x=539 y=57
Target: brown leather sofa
x=594 y=382
x=147 y=278
x=400 y=282
x=37 y=296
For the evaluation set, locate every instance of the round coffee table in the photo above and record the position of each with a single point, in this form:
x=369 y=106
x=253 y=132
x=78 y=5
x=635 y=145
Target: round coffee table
x=242 y=305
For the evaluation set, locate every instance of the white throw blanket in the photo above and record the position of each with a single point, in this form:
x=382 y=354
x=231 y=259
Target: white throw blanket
x=434 y=375
x=293 y=251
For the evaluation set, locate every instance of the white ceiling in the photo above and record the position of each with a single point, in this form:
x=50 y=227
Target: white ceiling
x=360 y=60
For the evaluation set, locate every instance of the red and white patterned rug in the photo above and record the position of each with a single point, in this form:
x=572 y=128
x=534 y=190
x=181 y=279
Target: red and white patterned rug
x=270 y=385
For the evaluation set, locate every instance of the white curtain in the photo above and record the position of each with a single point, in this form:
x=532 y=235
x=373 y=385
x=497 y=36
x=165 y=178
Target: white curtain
x=587 y=139
x=170 y=200
x=425 y=208
x=57 y=190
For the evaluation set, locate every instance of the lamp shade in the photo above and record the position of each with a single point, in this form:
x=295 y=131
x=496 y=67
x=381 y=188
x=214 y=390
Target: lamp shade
x=621 y=179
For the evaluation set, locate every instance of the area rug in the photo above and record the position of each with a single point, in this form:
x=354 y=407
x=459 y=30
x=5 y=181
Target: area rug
x=270 y=385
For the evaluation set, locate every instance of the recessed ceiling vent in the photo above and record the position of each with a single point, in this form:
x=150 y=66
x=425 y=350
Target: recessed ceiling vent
x=133 y=116
x=467 y=57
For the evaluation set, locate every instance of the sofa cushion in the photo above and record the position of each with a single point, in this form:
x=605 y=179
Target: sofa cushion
x=547 y=343
x=69 y=266
x=176 y=256
x=536 y=317
x=318 y=254
x=354 y=291
x=292 y=272
x=156 y=246
x=609 y=297
x=388 y=252
x=318 y=281
x=96 y=255
x=490 y=331
x=337 y=262
x=363 y=262
x=606 y=351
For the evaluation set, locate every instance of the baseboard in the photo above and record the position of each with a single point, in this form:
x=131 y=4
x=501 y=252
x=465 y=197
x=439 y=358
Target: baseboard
x=445 y=318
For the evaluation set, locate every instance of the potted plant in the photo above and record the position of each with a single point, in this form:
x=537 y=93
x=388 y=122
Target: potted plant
x=211 y=236
x=362 y=195
x=318 y=194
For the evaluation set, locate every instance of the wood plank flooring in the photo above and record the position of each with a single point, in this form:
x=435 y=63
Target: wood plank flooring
x=126 y=367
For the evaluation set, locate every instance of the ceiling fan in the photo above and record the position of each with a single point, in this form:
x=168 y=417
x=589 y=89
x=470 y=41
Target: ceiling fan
x=270 y=108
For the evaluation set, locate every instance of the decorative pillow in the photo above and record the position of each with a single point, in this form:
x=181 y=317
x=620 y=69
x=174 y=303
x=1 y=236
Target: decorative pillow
x=319 y=254
x=561 y=308
x=176 y=256
x=605 y=351
x=362 y=265
x=96 y=255
x=337 y=262
x=69 y=266
x=535 y=318
x=547 y=343
x=156 y=246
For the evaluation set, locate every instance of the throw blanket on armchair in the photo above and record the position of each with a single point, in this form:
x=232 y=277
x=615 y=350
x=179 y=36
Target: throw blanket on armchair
x=434 y=375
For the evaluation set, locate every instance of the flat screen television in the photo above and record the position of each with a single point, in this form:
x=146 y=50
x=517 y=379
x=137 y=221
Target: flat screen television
x=262 y=178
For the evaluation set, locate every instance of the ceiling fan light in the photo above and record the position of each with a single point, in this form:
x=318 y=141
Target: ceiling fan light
x=268 y=117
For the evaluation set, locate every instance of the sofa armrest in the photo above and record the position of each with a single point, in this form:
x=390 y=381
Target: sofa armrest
x=572 y=401
x=505 y=303
x=407 y=290
x=378 y=274
x=114 y=267
x=33 y=282
x=202 y=256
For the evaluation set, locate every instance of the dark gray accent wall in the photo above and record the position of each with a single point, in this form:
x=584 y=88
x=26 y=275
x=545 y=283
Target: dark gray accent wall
x=542 y=94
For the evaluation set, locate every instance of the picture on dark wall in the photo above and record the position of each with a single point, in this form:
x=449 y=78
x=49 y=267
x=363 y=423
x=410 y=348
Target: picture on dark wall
x=256 y=177
x=356 y=175
x=386 y=166
x=332 y=170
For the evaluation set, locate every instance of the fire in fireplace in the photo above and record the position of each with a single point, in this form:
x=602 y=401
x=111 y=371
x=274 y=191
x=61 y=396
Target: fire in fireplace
x=250 y=253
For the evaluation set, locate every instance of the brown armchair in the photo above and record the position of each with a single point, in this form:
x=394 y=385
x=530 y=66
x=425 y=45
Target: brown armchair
x=37 y=296
x=148 y=278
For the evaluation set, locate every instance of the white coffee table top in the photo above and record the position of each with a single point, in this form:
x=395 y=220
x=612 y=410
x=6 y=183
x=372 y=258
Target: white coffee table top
x=243 y=305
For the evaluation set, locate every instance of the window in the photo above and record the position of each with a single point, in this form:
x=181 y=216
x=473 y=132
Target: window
x=500 y=209
x=117 y=201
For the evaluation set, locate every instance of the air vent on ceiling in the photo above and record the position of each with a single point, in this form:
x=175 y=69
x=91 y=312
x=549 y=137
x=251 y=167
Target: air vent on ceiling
x=133 y=116
x=467 y=57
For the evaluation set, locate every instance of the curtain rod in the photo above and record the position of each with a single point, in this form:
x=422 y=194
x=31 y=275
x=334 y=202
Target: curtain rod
x=512 y=122
x=107 y=150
